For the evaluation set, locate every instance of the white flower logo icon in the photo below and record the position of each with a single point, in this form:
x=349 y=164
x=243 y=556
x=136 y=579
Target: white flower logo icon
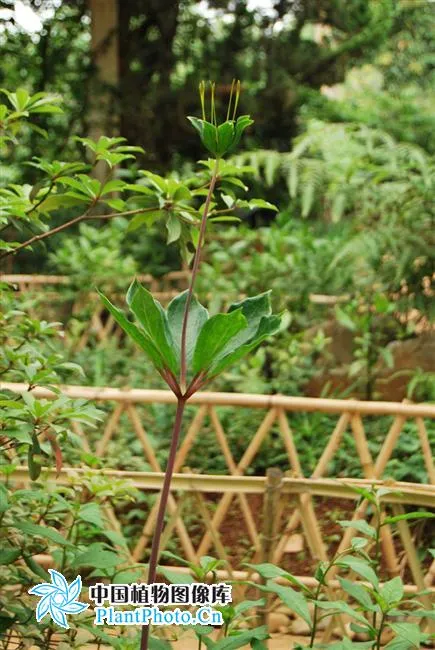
x=58 y=598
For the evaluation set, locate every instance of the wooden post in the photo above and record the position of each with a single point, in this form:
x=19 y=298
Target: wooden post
x=270 y=524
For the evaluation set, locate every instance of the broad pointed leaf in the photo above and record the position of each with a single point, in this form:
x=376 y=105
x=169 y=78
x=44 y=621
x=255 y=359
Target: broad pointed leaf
x=135 y=333
x=268 y=325
x=214 y=337
x=154 y=322
x=198 y=315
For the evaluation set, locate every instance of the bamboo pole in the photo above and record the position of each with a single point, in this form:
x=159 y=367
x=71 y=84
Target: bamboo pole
x=319 y=470
x=307 y=404
x=413 y=561
x=407 y=493
x=370 y=472
x=246 y=510
x=270 y=527
x=425 y=446
x=247 y=457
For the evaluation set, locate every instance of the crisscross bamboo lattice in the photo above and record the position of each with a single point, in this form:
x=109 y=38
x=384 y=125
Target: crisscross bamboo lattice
x=235 y=489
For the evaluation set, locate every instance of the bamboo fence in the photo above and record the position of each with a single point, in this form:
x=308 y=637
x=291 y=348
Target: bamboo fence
x=296 y=496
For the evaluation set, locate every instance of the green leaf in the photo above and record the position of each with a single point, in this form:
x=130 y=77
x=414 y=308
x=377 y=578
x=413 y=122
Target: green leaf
x=91 y=513
x=208 y=134
x=343 y=608
x=258 y=645
x=293 y=599
x=9 y=555
x=270 y=571
x=60 y=201
x=175 y=577
x=408 y=515
x=45 y=532
x=239 y=640
x=4 y=498
x=268 y=325
x=357 y=592
x=242 y=123
x=134 y=333
x=173 y=226
x=360 y=525
x=260 y=203
x=215 y=335
x=154 y=322
x=36 y=568
x=410 y=632
x=97 y=557
x=344 y=319
x=392 y=591
x=245 y=605
x=158 y=644
x=147 y=218
x=358 y=543
x=225 y=134
x=359 y=566
x=228 y=218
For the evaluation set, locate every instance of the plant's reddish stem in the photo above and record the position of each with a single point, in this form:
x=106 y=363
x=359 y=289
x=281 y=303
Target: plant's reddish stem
x=195 y=267
x=154 y=558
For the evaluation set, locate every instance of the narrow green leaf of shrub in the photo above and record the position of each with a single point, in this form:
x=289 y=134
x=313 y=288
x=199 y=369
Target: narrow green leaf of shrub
x=135 y=333
x=245 y=605
x=343 y=608
x=4 y=499
x=147 y=218
x=153 y=320
x=174 y=577
x=36 y=568
x=357 y=592
x=239 y=640
x=228 y=218
x=9 y=555
x=96 y=557
x=418 y=613
x=216 y=333
x=408 y=515
x=270 y=571
x=360 y=567
x=173 y=226
x=203 y=630
x=158 y=644
x=361 y=525
x=45 y=532
x=258 y=645
x=293 y=599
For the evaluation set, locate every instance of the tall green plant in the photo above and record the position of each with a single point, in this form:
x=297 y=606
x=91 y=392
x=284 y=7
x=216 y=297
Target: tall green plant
x=187 y=347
